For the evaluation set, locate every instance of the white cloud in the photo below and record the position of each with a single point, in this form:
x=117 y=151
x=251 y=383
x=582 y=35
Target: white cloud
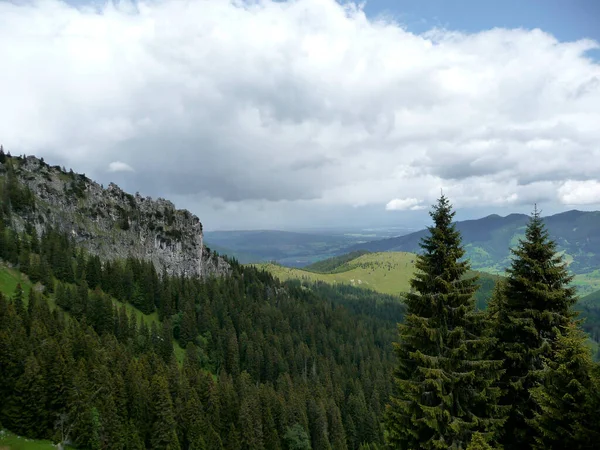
x=580 y=192
x=402 y=204
x=304 y=102
x=118 y=166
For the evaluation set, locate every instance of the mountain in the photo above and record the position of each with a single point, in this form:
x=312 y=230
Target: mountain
x=107 y=222
x=102 y=349
x=488 y=240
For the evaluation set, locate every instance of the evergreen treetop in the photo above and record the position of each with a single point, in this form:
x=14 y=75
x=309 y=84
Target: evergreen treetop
x=532 y=310
x=444 y=384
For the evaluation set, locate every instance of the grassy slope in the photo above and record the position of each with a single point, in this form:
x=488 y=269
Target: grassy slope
x=9 y=441
x=9 y=278
x=587 y=283
x=333 y=264
x=385 y=272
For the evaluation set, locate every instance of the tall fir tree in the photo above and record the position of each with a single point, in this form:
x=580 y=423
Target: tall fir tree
x=444 y=386
x=532 y=309
x=163 y=433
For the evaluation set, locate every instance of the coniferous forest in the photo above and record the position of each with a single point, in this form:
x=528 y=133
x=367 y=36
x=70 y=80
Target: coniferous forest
x=247 y=362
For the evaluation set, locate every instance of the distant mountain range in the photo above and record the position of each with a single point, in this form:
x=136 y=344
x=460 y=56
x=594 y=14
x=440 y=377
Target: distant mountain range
x=488 y=240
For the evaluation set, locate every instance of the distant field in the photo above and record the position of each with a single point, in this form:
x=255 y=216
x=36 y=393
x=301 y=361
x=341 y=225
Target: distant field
x=383 y=272
x=587 y=282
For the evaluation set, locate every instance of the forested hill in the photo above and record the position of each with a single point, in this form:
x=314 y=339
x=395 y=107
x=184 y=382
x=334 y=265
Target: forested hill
x=488 y=240
x=112 y=353
x=107 y=222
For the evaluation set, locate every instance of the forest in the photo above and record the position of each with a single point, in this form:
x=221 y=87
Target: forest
x=271 y=365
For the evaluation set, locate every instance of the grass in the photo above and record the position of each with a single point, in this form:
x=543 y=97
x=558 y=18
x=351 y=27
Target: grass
x=9 y=278
x=133 y=311
x=587 y=283
x=9 y=441
x=385 y=272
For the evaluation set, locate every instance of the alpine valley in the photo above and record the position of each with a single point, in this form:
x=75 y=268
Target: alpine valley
x=122 y=328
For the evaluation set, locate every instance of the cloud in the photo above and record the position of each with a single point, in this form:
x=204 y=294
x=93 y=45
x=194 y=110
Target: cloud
x=580 y=192
x=118 y=166
x=283 y=109
x=402 y=204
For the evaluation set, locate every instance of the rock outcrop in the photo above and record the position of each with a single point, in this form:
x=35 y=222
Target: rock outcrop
x=113 y=224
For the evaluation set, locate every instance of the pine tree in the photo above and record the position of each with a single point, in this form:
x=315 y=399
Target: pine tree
x=189 y=328
x=444 y=384
x=532 y=310
x=296 y=438
x=569 y=398
x=29 y=396
x=163 y=433
x=24 y=259
x=18 y=300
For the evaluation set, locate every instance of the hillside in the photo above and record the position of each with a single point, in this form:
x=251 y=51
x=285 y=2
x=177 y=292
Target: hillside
x=107 y=222
x=387 y=273
x=334 y=263
x=488 y=240
x=384 y=272
x=110 y=351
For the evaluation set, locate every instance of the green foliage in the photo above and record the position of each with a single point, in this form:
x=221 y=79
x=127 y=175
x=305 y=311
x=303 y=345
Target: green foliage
x=163 y=433
x=444 y=382
x=296 y=438
x=14 y=195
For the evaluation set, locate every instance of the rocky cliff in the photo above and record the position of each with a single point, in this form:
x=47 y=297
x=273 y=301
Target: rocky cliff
x=111 y=223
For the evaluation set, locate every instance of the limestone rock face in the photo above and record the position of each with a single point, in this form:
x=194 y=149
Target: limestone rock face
x=113 y=224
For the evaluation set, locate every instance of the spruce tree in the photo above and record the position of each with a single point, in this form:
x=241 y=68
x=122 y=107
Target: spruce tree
x=18 y=299
x=443 y=383
x=532 y=310
x=163 y=433
x=478 y=443
x=569 y=396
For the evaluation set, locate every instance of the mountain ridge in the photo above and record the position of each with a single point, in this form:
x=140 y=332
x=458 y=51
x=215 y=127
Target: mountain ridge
x=108 y=222
x=487 y=240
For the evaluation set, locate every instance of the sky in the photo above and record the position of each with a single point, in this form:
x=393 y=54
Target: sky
x=312 y=113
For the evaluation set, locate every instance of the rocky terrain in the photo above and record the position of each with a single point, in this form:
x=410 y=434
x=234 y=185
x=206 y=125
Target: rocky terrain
x=111 y=223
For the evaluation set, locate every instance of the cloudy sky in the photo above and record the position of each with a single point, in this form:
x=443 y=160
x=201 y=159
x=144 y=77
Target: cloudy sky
x=273 y=114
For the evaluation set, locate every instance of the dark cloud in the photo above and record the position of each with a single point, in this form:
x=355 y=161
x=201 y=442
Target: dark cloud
x=282 y=111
